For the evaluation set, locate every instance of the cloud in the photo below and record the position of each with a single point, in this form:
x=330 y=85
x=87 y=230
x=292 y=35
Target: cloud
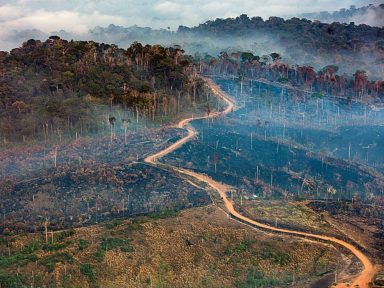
x=48 y=21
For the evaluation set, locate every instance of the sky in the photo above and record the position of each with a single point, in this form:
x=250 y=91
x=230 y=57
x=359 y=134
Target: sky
x=78 y=16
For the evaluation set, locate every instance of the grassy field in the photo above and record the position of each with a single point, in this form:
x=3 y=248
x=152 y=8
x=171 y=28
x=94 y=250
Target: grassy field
x=197 y=247
x=288 y=214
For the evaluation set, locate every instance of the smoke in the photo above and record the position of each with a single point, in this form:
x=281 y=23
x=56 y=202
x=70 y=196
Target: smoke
x=372 y=17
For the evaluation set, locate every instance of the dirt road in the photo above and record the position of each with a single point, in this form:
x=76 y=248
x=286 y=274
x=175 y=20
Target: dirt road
x=362 y=280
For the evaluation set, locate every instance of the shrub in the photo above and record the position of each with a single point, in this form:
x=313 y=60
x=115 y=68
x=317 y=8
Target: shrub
x=88 y=270
x=83 y=244
x=50 y=261
x=10 y=280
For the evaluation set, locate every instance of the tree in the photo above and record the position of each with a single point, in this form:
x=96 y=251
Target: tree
x=275 y=56
x=126 y=123
x=112 y=121
x=20 y=105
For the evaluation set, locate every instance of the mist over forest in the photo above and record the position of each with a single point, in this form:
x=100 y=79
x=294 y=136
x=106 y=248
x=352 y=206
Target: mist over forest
x=370 y=15
x=351 y=45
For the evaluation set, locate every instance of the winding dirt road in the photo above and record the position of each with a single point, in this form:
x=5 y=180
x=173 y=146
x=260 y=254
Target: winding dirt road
x=362 y=280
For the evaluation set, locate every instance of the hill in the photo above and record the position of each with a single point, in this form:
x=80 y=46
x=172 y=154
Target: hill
x=72 y=87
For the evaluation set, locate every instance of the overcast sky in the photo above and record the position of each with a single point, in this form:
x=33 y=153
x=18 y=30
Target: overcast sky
x=78 y=16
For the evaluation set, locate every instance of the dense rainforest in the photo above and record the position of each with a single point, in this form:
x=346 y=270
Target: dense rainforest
x=58 y=86
x=301 y=41
x=371 y=15
x=351 y=46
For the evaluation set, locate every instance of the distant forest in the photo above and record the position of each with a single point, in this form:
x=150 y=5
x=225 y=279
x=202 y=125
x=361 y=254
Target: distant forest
x=300 y=41
x=371 y=15
x=351 y=47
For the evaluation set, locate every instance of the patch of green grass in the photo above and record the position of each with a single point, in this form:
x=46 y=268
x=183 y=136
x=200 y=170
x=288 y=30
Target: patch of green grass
x=10 y=280
x=256 y=279
x=240 y=247
x=87 y=269
x=60 y=236
x=135 y=225
x=56 y=246
x=163 y=214
x=83 y=244
x=126 y=248
x=3 y=241
x=109 y=243
x=22 y=257
x=275 y=256
x=50 y=261
x=317 y=95
x=112 y=224
x=32 y=246
x=99 y=254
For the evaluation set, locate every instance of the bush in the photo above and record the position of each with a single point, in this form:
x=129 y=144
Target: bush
x=283 y=80
x=60 y=236
x=83 y=244
x=88 y=270
x=111 y=243
x=242 y=246
x=126 y=248
x=23 y=257
x=276 y=257
x=256 y=279
x=163 y=214
x=317 y=95
x=50 y=261
x=10 y=280
x=112 y=224
x=99 y=254
x=56 y=246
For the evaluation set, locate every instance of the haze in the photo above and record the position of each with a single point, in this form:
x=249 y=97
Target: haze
x=79 y=16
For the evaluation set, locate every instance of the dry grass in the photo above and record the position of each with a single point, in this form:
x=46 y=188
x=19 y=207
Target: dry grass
x=199 y=247
x=291 y=214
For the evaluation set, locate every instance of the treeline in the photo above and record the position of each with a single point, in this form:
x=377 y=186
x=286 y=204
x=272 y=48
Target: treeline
x=301 y=40
x=271 y=67
x=58 y=86
x=311 y=34
x=370 y=14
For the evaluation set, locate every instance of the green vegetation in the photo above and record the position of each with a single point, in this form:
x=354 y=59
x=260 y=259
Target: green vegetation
x=56 y=246
x=83 y=244
x=22 y=257
x=11 y=280
x=99 y=254
x=109 y=243
x=163 y=214
x=277 y=257
x=134 y=225
x=256 y=279
x=112 y=224
x=60 y=236
x=317 y=95
x=70 y=86
x=87 y=269
x=283 y=80
x=50 y=261
x=240 y=247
